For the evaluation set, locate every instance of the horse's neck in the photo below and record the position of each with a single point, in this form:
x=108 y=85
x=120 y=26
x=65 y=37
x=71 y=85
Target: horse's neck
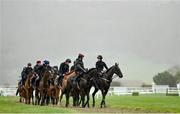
x=109 y=74
x=27 y=83
x=89 y=74
x=71 y=75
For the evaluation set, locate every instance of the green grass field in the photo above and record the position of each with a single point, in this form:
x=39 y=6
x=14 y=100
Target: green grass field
x=152 y=103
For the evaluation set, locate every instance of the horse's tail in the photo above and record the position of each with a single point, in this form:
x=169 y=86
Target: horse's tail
x=17 y=91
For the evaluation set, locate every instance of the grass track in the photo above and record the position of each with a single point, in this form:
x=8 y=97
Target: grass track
x=137 y=104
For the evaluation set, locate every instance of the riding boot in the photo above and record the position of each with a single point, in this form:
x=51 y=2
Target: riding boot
x=77 y=82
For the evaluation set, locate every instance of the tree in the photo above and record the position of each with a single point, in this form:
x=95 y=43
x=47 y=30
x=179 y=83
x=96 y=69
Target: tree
x=177 y=77
x=165 y=78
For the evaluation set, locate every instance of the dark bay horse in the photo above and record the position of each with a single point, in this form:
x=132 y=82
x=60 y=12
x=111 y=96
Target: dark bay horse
x=44 y=85
x=104 y=82
x=54 y=89
x=83 y=90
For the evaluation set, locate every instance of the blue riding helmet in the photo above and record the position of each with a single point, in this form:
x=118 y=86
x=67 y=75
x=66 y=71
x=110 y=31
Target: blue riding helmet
x=46 y=62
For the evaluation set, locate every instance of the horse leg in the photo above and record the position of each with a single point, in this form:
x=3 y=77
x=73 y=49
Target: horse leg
x=93 y=95
x=47 y=100
x=82 y=98
x=87 y=102
x=79 y=102
x=42 y=98
x=105 y=93
x=62 y=93
x=36 y=97
x=20 y=100
x=32 y=98
x=74 y=101
x=67 y=99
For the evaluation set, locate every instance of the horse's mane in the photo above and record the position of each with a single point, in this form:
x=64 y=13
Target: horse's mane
x=90 y=70
x=68 y=73
x=109 y=69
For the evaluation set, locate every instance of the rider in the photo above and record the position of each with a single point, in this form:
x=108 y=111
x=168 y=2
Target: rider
x=41 y=70
x=25 y=72
x=79 y=68
x=63 y=69
x=100 y=65
x=37 y=71
x=46 y=65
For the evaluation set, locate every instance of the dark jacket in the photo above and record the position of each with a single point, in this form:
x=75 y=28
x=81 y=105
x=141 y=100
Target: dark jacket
x=37 y=69
x=79 y=65
x=64 y=68
x=100 y=65
x=25 y=72
x=28 y=70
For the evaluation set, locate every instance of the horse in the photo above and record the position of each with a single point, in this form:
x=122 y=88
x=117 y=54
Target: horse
x=29 y=89
x=103 y=83
x=64 y=82
x=54 y=89
x=84 y=84
x=43 y=86
x=22 y=92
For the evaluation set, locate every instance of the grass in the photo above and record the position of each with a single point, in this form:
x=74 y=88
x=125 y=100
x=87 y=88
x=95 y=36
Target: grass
x=150 y=103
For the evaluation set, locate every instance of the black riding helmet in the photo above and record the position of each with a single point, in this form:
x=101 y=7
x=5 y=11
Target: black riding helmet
x=80 y=55
x=29 y=64
x=99 y=57
x=68 y=60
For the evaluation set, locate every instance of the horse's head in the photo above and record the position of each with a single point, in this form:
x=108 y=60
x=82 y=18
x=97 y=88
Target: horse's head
x=47 y=74
x=117 y=70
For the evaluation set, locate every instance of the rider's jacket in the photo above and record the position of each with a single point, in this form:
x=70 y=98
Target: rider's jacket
x=37 y=69
x=100 y=65
x=79 y=65
x=25 y=72
x=64 y=68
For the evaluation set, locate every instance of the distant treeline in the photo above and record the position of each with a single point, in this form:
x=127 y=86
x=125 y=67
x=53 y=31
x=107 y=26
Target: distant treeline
x=167 y=78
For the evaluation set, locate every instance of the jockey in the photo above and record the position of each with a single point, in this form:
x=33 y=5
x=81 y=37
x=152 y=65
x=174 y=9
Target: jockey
x=100 y=65
x=79 y=68
x=41 y=70
x=46 y=65
x=37 y=71
x=63 y=69
x=25 y=72
x=37 y=67
x=79 y=65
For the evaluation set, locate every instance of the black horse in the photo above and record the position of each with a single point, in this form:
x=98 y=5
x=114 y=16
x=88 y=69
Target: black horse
x=83 y=89
x=103 y=83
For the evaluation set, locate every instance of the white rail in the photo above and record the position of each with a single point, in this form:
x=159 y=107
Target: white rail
x=11 y=91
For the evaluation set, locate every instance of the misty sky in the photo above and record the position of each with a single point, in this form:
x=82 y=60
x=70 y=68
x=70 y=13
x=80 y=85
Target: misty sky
x=142 y=35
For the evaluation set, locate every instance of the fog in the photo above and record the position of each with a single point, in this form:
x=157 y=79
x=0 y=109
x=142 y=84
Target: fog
x=142 y=36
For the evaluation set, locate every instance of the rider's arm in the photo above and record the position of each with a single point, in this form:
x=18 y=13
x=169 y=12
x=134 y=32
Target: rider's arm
x=105 y=66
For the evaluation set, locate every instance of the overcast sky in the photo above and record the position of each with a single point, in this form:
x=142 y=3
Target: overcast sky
x=142 y=35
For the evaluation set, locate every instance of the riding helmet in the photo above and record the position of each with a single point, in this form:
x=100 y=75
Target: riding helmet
x=38 y=61
x=46 y=62
x=68 y=60
x=100 y=57
x=29 y=64
x=80 y=55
